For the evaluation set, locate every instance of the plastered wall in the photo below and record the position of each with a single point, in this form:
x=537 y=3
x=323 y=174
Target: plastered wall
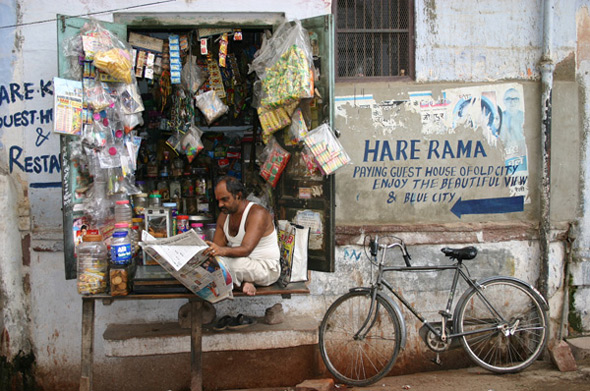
x=462 y=46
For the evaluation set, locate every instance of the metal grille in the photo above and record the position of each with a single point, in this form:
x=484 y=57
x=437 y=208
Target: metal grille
x=373 y=38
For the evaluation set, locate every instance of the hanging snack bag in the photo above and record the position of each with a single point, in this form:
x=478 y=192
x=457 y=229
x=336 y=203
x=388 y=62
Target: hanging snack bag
x=276 y=161
x=272 y=120
x=191 y=143
x=326 y=149
x=288 y=80
x=116 y=62
x=298 y=129
x=211 y=106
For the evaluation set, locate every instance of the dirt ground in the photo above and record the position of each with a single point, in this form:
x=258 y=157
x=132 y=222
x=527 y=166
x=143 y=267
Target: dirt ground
x=541 y=376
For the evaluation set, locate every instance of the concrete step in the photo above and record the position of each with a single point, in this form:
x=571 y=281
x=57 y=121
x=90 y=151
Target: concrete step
x=146 y=339
x=580 y=347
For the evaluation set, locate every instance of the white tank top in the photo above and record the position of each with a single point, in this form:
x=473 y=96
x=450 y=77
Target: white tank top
x=267 y=247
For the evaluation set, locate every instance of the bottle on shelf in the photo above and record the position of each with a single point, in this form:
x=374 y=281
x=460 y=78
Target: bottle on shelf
x=123 y=212
x=165 y=167
x=121 y=247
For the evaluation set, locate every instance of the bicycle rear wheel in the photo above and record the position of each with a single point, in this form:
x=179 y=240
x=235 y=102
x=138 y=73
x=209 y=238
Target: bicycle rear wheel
x=364 y=359
x=508 y=325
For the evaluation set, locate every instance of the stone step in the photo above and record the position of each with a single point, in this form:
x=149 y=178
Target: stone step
x=580 y=347
x=147 y=339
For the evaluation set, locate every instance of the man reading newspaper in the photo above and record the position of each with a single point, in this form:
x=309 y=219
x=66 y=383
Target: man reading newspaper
x=245 y=237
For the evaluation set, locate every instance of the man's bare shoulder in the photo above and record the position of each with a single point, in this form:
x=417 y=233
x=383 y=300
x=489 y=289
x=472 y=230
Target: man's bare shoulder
x=259 y=211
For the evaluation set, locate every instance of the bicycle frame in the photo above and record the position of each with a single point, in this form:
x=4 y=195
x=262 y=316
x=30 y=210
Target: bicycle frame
x=446 y=313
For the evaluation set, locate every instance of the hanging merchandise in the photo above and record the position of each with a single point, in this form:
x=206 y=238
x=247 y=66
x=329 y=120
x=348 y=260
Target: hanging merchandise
x=211 y=106
x=237 y=34
x=276 y=161
x=284 y=65
x=175 y=63
x=297 y=129
x=223 y=42
x=326 y=149
x=204 y=51
x=215 y=79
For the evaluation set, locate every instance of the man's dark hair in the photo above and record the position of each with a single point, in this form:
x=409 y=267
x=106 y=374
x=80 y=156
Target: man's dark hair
x=233 y=185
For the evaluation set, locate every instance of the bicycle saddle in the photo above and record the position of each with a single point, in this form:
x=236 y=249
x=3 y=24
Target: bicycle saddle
x=460 y=254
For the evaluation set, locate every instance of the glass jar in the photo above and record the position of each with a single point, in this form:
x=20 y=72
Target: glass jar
x=92 y=264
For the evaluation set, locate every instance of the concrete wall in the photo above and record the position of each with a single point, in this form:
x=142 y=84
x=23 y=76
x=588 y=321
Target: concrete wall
x=461 y=45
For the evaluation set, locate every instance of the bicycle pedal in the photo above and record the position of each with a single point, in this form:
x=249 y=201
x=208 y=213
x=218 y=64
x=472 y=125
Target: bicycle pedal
x=437 y=360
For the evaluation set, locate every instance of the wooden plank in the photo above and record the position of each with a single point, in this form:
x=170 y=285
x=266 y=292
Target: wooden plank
x=196 y=345
x=87 y=345
x=146 y=42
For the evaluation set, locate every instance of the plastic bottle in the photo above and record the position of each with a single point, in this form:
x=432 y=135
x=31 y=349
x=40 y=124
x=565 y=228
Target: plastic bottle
x=92 y=262
x=121 y=247
x=123 y=212
x=198 y=227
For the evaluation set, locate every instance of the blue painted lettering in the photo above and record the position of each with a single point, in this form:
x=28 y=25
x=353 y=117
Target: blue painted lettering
x=461 y=150
x=48 y=164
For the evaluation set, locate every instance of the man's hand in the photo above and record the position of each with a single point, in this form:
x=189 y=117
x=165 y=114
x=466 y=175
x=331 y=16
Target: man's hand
x=214 y=250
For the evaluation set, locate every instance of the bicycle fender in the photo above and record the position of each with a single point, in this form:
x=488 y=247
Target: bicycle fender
x=536 y=293
x=395 y=306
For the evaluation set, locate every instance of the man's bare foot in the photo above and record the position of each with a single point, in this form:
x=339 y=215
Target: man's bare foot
x=248 y=288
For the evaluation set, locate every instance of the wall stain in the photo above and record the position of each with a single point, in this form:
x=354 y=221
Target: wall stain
x=430 y=11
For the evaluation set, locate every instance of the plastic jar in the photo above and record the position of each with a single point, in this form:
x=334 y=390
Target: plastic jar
x=198 y=227
x=123 y=212
x=92 y=263
x=182 y=223
x=155 y=200
x=121 y=247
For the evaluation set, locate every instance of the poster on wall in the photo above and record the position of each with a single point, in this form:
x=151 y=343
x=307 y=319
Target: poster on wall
x=442 y=155
x=68 y=105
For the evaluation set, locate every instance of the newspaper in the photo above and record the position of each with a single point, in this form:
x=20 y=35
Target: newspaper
x=182 y=256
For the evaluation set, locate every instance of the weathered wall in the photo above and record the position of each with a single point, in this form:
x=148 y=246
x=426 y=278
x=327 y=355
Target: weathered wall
x=460 y=44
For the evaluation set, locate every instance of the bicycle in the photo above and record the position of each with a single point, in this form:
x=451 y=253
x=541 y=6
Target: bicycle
x=501 y=322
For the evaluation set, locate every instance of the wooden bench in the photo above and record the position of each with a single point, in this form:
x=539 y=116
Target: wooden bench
x=88 y=312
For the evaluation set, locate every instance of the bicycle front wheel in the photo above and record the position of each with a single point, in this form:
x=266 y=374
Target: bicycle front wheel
x=354 y=356
x=507 y=325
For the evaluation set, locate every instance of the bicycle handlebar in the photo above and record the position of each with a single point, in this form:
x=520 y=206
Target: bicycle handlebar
x=375 y=246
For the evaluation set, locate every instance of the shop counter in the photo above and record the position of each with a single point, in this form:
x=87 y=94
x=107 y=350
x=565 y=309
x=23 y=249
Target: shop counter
x=88 y=308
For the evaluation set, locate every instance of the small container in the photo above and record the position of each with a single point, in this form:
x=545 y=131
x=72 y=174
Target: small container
x=182 y=223
x=198 y=227
x=92 y=262
x=210 y=231
x=119 y=280
x=140 y=202
x=155 y=200
x=121 y=247
x=123 y=212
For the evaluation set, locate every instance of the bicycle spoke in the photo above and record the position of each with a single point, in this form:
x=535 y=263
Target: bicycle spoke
x=354 y=355
x=521 y=326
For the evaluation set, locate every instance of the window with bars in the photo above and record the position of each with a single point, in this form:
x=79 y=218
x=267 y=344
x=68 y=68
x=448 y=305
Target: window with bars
x=374 y=38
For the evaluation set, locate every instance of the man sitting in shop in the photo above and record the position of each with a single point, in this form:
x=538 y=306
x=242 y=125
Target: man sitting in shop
x=246 y=237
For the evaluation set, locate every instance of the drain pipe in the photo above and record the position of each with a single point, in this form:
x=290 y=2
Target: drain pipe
x=547 y=67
